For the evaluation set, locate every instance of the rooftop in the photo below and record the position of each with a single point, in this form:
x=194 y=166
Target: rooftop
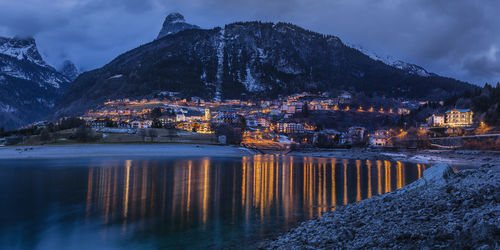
x=459 y=110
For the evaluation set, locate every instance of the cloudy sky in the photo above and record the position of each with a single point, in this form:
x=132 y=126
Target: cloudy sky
x=460 y=38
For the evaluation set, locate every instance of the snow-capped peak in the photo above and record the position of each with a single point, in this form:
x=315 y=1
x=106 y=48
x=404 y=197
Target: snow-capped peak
x=22 y=49
x=391 y=61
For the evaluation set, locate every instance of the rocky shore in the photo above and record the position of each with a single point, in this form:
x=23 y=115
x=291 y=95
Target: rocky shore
x=441 y=210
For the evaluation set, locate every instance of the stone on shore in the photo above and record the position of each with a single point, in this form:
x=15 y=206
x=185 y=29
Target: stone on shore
x=441 y=210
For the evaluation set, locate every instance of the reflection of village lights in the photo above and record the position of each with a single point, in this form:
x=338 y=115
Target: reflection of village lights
x=267 y=182
x=344 y=170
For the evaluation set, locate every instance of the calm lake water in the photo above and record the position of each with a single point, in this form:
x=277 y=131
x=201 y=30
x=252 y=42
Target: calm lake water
x=179 y=203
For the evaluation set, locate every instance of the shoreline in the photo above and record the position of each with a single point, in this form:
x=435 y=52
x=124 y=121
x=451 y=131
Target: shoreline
x=441 y=210
x=121 y=150
x=456 y=158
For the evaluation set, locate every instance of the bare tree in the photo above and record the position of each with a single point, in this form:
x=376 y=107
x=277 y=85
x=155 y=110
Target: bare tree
x=142 y=133
x=152 y=133
x=171 y=133
x=45 y=135
x=83 y=134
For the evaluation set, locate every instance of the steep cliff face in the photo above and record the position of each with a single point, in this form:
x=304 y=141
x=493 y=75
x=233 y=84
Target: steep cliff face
x=69 y=70
x=29 y=87
x=250 y=58
x=174 y=23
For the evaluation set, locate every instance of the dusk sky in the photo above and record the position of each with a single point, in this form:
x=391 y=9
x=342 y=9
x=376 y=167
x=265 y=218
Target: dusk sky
x=459 y=38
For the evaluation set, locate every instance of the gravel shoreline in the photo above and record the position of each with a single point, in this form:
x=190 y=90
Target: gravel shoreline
x=121 y=150
x=441 y=210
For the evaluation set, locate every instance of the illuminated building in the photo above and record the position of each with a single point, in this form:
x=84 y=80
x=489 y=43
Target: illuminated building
x=380 y=138
x=459 y=118
x=208 y=115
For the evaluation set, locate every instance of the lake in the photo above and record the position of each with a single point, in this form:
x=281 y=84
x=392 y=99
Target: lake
x=179 y=202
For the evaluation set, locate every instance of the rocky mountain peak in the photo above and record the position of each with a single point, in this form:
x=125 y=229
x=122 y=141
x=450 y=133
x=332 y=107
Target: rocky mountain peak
x=22 y=49
x=174 y=23
x=175 y=18
x=69 y=70
x=29 y=86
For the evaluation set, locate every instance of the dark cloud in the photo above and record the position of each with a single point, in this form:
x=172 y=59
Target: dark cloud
x=459 y=38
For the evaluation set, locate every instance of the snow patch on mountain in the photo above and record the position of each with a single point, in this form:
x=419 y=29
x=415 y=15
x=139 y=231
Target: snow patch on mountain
x=391 y=61
x=53 y=81
x=262 y=54
x=116 y=76
x=412 y=68
x=251 y=84
x=7 y=108
x=385 y=59
x=220 y=61
x=22 y=49
x=10 y=71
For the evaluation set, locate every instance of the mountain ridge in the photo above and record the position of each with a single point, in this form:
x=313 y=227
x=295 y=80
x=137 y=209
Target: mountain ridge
x=251 y=58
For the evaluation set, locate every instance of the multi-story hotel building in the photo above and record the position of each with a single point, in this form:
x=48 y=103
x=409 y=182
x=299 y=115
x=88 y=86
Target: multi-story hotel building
x=459 y=118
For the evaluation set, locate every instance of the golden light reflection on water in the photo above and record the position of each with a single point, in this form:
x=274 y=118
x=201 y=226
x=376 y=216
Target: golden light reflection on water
x=369 y=173
x=344 y=170
x=379 y=177
x=332 y=184
x=387 y=171
x=358 y=180
x=197 y=190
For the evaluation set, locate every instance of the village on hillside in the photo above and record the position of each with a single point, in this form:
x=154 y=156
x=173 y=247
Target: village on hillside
x=300 y=120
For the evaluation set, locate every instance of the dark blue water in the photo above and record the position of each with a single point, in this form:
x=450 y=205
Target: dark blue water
x=178 y=203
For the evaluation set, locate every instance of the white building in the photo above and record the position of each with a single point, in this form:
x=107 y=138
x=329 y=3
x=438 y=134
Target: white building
x=380 y=138
x=436 y=120
x=142 y=124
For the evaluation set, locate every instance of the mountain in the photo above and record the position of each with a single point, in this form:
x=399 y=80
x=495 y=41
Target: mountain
x=251 y=58
x=29 y=87
x=174 y=23
x=69 y=70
